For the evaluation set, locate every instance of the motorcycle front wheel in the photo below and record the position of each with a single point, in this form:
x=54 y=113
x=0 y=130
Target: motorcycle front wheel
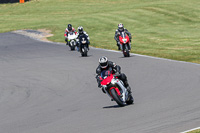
x=72 y=47
x=126 y=51
x=84 y=51
x=116 y=97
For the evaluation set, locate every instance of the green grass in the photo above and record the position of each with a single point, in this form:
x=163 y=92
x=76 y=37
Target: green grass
x=195 y=131
x=161 y=28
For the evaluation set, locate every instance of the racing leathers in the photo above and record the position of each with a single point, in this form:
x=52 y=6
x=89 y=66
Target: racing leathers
x=117 y=34
x=78 y=37
x=115 y=69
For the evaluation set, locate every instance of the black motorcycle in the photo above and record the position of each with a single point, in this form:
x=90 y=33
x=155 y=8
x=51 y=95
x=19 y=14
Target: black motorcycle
x=83 y=45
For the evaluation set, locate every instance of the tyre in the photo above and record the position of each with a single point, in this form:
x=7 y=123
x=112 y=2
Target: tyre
x=124 y=54
x=128 y=54
x=130 y=100
x=116 y=98
x=72 y=45
x=127 y=51
x=72 y=48
x=85 y=51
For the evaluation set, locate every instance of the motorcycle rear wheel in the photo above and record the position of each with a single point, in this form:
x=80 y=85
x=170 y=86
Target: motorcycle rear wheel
x=72 y=48
x=116 y=98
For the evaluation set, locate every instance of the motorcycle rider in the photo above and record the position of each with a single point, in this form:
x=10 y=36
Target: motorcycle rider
x=79 y=33
x=117 y=34
x=67 y=30
x=104 y=64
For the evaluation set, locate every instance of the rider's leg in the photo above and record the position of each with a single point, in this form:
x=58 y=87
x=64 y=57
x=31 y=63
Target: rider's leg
x=125 y=81
x=129 y=46
x=66 y=40
x=118 y=44
x=77 y=45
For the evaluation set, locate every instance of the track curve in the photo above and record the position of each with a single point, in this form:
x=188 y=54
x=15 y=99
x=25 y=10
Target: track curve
x=46 y=88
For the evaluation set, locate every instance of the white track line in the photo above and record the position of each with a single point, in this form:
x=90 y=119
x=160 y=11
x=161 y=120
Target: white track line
x=58 y=43
x=191 y=130
x=150 y=57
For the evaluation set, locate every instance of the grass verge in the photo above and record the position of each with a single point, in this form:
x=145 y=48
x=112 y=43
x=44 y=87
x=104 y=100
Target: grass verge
x=195 y=131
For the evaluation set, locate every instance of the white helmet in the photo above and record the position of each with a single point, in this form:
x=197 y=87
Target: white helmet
x=80 y=29
x=120 y=27
x=103 y=62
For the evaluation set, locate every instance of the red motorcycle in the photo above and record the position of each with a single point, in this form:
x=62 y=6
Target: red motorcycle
x=115 y=89
x=125 y=44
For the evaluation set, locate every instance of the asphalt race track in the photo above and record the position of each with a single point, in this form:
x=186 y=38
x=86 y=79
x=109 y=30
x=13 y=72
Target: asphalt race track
x=46 y=88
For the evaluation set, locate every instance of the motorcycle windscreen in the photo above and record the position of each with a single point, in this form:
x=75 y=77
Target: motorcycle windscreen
x=123 y=38
x=107 y=77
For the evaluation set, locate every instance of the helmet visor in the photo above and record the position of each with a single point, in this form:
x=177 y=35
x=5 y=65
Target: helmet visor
x=81 y=31
x=70 y=28
x=121 y=28
x=104 y=65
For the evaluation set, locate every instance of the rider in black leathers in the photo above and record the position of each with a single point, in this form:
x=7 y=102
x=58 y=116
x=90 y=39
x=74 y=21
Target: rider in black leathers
x=117 y=34
x=80 y=33
x=104 y=64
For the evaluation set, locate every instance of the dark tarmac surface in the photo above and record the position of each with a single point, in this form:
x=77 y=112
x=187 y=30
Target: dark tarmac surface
x=46 y=88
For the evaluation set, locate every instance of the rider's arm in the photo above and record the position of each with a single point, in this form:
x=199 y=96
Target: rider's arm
x=116 y=68
x=98 y=71
x=128 y=33
x=98 y=76
x=66 y=32
x=116 y=37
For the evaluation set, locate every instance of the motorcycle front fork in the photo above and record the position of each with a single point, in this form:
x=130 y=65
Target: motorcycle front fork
x=123 y=46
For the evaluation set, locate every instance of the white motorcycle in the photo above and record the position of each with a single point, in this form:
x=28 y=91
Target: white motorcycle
x=72 y=40
x=115 y=89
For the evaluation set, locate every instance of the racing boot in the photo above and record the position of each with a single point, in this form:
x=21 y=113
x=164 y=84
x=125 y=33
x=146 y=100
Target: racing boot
x=66 y=40
x=127 y=87
x=118 y=46
x=129 y=47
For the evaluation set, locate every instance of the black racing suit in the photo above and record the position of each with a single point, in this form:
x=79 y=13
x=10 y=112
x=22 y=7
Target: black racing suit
x=117 y=34
x=114 y=69
x=78 y=39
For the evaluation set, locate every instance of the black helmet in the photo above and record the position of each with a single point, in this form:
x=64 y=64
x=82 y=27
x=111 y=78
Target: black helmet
x=69 y=27
x=80 y=30
x=103 y=62
x=120 y=27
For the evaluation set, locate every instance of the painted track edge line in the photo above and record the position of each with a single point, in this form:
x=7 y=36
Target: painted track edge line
x=190 y=130
x=150 y=57
x=59 y=43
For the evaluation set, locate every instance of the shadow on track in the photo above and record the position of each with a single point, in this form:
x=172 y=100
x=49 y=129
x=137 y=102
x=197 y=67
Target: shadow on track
x=85 y=56
x=127 y=57
x=114 y=106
